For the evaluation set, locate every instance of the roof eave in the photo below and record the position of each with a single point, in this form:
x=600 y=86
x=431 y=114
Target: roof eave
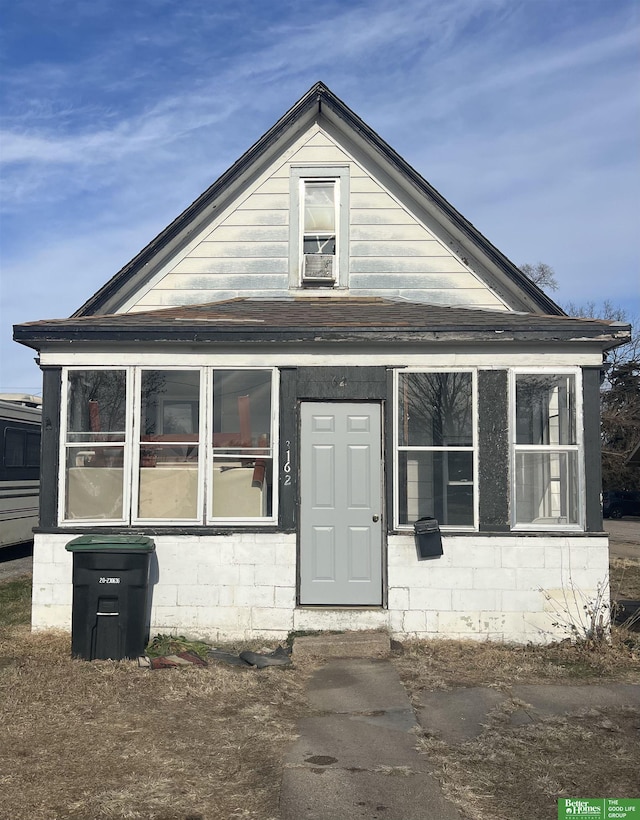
x=37 y=338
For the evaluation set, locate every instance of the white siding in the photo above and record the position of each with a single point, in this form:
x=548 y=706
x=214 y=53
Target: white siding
x=244 y=251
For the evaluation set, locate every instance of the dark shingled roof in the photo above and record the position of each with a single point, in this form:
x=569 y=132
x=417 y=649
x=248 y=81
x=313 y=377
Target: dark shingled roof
x=332 y=319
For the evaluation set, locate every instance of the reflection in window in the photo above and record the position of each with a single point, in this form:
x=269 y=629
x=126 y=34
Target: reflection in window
x=20 y=448
x=428 y=487
x=436 y=409
x=242 y=487
x=94 y=488
x=435 y=448
x=95 y=436
x=546 y=465
x=319 y=231
x=148 y=463
x=32 y=450
x=545 y=409
x=96 y=405
x=14 y=448
x=242 y=468
x=169 y=451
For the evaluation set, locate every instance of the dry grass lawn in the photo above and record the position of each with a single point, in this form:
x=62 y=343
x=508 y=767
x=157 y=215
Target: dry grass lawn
x=108 y=740
x=444 y=664
x=521 y=771
x=510 y=771
x=624 y=578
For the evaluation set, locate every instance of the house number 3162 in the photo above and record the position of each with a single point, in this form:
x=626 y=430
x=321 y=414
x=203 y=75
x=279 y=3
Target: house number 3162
x=287 y=464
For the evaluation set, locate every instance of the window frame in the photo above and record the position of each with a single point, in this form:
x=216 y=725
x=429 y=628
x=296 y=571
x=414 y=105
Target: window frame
x=397 y=448
x=215 y=453
x=305 y=185
x=131 y=450
x=66 y=446
x=24 y=434
x=339 y=175
x=137 y=443
x=543 y=449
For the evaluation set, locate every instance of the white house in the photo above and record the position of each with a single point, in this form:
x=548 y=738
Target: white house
x=319 y=351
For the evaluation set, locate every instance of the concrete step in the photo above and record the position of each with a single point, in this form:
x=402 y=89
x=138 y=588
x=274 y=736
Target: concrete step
x=362 y=644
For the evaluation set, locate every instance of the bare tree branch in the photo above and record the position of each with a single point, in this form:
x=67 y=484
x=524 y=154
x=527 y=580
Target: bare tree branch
x=541 y=274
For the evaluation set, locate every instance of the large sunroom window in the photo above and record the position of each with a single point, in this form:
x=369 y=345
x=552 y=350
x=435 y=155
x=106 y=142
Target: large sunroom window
x=435 y=471
x=546 y=450
x=169 y=452
x=242 y=463
x=183 y=445
x=95 y=445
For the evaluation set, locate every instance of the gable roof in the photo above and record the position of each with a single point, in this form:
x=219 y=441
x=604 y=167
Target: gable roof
x=321 y=319
x=318 y=101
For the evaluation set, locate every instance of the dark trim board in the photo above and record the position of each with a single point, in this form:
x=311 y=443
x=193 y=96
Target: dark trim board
x=208 y=530
x=388 y=451
x=289 y=457
x=141 y=529
x=342 y=383
x=50 y=444
x=493 y=450
x=591 y=377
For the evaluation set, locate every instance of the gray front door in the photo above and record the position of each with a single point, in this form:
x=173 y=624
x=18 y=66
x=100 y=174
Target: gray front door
x=341 y=504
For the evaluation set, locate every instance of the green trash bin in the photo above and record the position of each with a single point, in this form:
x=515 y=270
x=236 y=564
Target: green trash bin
x=110 y=592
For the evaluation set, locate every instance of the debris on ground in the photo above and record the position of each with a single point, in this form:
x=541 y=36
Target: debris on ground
x=181 y=659
x=256 y=660
x=171 y=652
x=279 y=657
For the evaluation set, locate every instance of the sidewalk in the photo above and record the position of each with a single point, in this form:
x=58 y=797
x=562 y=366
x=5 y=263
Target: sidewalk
x=356 y=758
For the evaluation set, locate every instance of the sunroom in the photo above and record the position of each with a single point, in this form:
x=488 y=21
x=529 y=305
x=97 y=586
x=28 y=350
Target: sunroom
x=281 y=475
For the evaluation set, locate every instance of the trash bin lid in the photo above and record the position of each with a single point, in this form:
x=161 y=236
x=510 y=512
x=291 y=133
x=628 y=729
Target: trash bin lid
x=111 y=543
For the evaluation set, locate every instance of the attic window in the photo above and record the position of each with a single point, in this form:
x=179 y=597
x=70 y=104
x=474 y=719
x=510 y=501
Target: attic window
x=319 y=237
x=319 y=227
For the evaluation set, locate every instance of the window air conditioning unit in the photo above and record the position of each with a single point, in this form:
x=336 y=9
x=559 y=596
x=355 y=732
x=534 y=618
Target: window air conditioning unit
x=319 y=268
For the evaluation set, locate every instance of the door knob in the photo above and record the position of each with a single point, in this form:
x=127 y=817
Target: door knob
x=376 y=518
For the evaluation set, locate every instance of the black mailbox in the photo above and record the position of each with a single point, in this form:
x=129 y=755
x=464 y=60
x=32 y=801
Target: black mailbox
x=110 y=588
x=428 y=538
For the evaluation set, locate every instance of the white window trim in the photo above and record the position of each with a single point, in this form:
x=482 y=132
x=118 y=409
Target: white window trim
x=397 y=449
x=136 y=446
x=578 y=448
x=340 y=175
x=131 y=447
x=274 y=447
x=336 y=234
x=64 y=447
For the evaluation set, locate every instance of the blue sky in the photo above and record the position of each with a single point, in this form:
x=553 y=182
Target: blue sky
x=117 y=114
